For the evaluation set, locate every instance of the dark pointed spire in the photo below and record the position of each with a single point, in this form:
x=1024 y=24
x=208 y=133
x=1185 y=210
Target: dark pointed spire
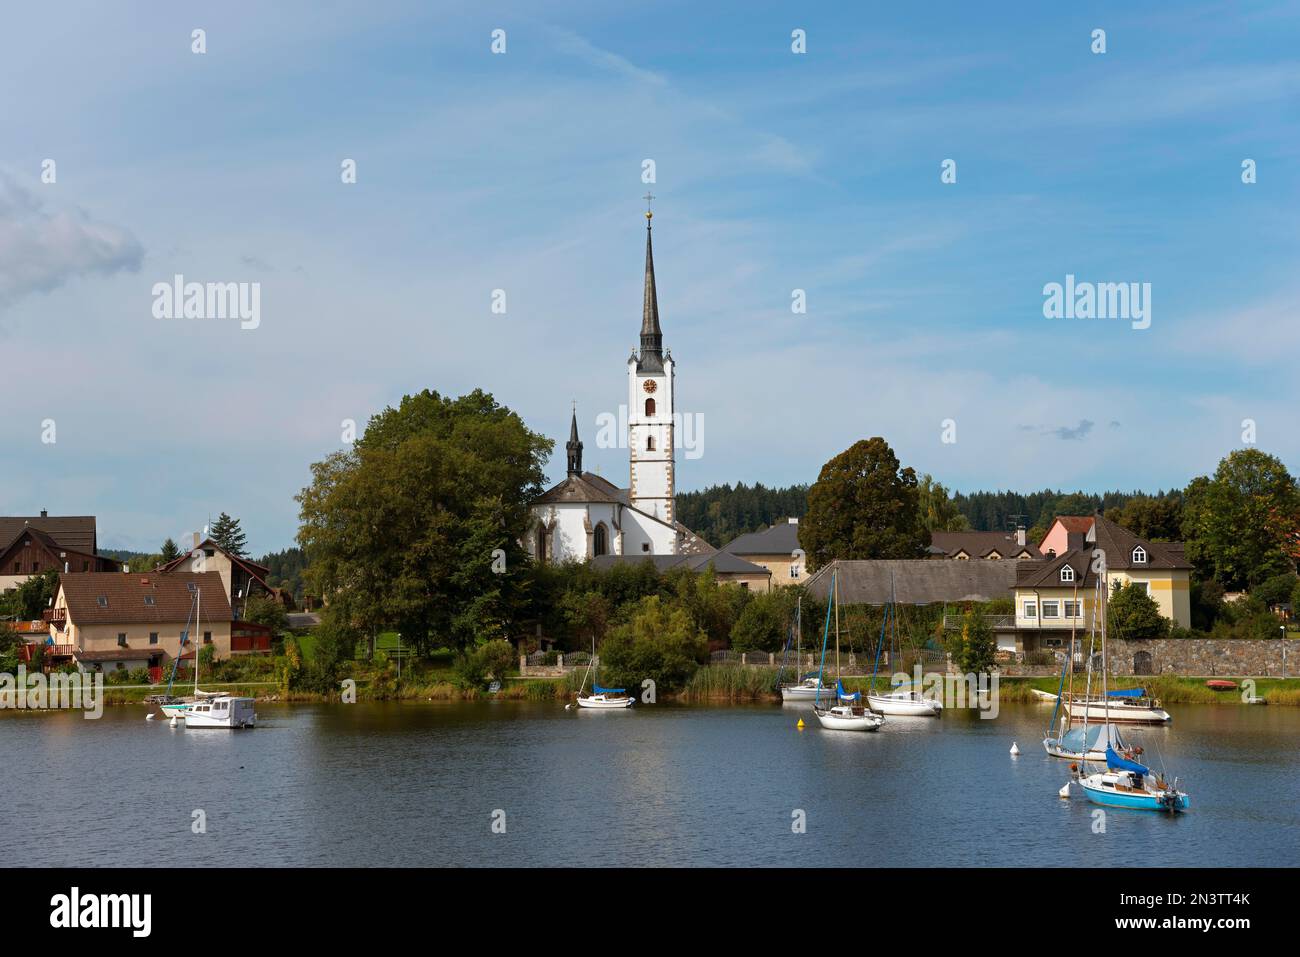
x=573 y=446
x=652 y=337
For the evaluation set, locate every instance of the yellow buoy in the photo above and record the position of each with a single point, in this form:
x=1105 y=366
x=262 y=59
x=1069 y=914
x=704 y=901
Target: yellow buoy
x=800 y=724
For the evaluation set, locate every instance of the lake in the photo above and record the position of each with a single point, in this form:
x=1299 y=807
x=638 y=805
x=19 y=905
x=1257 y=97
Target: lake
x=418 y=784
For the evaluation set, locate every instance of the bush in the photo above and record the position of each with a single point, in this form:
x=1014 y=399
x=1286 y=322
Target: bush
x=493 y=659
x=659 y=642
x=1133 y=615
x=974 y=649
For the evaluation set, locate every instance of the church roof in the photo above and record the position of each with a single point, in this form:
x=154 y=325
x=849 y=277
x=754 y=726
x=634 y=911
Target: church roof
x=577 y=489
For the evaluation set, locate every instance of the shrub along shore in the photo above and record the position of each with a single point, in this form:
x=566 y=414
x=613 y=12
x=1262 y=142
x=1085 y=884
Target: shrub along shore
x=708 y=685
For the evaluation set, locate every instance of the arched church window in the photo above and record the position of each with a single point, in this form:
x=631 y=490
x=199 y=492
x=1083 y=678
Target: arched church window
x=541 y=543
x=650 y=443
x=649 y=407
x=600 y=540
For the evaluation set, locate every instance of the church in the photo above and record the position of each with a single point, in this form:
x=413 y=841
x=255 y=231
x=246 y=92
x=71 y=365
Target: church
x=586 y=516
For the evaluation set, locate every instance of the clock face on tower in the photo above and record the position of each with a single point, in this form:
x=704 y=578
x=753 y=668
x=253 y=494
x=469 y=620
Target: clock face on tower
x=650 y=385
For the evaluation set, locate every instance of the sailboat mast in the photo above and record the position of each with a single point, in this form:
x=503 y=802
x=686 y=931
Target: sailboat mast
x=198 y=625
x=837 y=627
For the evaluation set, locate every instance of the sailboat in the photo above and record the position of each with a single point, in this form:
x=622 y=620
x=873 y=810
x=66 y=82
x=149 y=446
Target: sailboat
x=1063 y=740
x=168 y=705
x=1124 y=782
x=605 y=699
x=810 y=686
x=903 y=701
x=842 y=717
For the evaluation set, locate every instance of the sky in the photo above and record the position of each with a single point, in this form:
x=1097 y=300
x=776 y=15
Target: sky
x=523 y=171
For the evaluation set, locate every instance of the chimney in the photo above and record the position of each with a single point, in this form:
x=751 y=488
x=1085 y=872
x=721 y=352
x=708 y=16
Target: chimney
x=196 y=540
x=44 y=514
x=1020 y=535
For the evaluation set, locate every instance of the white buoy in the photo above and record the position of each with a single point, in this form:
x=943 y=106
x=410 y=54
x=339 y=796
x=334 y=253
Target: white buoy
x=567 y=707
x=1014 y=749
x=1065 y=791
x=172 y=722
x=149 y=716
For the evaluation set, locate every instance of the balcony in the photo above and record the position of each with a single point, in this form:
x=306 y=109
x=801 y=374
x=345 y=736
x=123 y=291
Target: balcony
x=55 y=616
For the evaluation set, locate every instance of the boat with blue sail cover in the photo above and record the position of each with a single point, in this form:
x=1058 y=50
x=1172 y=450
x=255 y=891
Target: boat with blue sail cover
x=841 y=717
x=601 y=699
x=808 y=688
x=1124 y=783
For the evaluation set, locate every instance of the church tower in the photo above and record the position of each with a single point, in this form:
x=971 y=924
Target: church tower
x=650 y=386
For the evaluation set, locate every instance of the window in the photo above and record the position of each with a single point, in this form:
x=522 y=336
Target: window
x=1067 y=574
x=1031 y=610
x=153 y=637
x=85 y=566
x=192 y=587
x=207 y=637
x=1051 y=608
x=600 y=540
x=649 y=408
x=1139 y=556
x=645 y=546
x=102 y=601
x=650 y=443
x=36 y=566
x=148 y=600
x=1071 y=609
x=121 y=639
x=794 y=571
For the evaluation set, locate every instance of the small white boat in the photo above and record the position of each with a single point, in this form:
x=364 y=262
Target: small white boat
x=1044 y=696
x=604 y=700
x=225 y=711
x=848 y=718
x=905 y=703
x=1118 y=706
x=601 y=699
x=807 y=690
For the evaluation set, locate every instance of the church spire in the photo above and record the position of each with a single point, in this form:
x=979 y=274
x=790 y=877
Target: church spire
x=573 y=446
x=652 y=337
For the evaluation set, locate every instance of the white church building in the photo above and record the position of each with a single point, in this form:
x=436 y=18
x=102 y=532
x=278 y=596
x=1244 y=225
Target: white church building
x=586 y=516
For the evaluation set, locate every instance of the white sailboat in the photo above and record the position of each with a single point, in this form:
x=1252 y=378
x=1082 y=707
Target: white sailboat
x=902 y=701
x=168 y=705
x=841 y=717
x=601 y=699
x=810 y=688
x=223 y=711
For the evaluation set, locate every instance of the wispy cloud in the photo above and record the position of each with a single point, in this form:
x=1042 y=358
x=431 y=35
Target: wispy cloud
x=40 y=250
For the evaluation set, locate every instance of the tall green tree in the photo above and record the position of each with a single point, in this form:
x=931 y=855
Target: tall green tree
x=227 y=533
x=659 y=642
x=401 y=530
x=863 y=505
x=1242 y=526
x=938 y=512
x=974 y=648
x=1156 y=518
x=33 y=596
x=170 y=550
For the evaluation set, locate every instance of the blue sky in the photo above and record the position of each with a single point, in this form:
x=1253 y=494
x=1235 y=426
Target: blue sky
x=522 y=172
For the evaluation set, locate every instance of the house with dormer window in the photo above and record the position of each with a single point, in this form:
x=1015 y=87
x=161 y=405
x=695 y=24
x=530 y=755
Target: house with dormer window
x=1056 y=595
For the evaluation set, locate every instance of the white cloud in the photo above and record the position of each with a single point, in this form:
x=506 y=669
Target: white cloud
x=40 y=250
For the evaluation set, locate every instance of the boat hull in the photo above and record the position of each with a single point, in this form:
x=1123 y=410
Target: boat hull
x=914 y=707
x=1171 y=802
x=1052 y=747
x=1117 y=713
x=848 y=719
x=801 y=693
x=601 y=703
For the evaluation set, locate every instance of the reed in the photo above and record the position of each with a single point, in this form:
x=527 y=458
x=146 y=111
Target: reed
x=731 y=683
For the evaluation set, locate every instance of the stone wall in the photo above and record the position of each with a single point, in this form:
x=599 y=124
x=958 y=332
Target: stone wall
x=1275 y=657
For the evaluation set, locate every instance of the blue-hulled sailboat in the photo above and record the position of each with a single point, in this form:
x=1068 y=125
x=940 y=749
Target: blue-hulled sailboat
x=1124 y=783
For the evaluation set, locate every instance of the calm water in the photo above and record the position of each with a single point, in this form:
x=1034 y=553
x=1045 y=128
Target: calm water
x=416 y=784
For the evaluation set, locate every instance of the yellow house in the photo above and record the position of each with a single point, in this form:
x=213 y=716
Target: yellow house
x=127 y=621
x=1056 y=595
x=775 y=549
